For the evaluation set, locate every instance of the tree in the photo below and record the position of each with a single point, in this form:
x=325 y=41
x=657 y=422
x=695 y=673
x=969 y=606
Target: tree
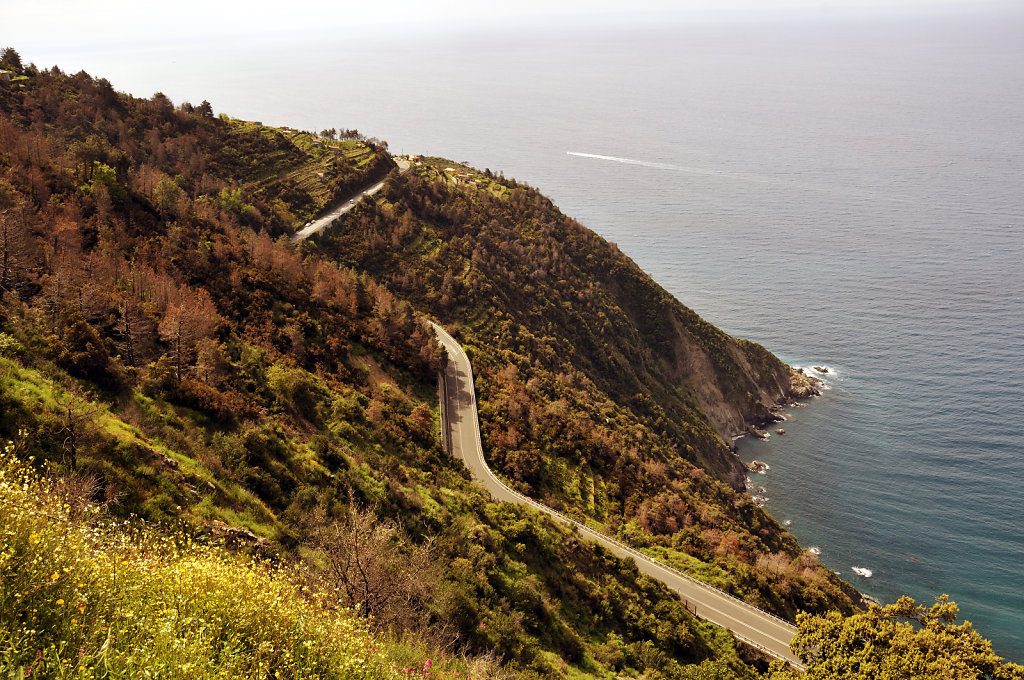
x=14 y=246
x=10 y=57
x=166 y=196
x=83 y=353
x=91 y=153
x=211 y=363
x=371 y=563
x=73 y=427
x=135 y=327
x=107 y=176
x=901 y=641
x=190 y=318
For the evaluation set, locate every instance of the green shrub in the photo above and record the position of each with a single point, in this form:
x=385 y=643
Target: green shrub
x=83 y=597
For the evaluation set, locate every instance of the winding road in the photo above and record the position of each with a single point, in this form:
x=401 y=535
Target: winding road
x=461 y=432
x=324 y=221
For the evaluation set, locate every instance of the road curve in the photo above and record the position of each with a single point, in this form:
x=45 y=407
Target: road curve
x=321 y=223
x=461 y=433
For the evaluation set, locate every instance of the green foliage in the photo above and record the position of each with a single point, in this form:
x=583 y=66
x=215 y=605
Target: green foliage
x=83 y=353
x=160 y=377
x=107 y=176
x=902 y=641
x=166 y=196
x=292 y=390
x=9 y=57
x=84 y=597
x=9 y=346
x=231 y=201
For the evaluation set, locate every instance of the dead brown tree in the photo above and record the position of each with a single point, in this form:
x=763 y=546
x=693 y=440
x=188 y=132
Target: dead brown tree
x=190 y=318
x=373 y=566
x=73 y=427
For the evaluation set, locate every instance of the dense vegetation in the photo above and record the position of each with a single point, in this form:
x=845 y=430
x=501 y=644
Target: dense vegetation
x=194 y=393
x=600 y=394
x=186 y=368
x=901 y=641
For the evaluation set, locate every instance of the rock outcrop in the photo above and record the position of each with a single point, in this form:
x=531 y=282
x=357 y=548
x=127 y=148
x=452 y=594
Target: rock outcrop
x=803 y=386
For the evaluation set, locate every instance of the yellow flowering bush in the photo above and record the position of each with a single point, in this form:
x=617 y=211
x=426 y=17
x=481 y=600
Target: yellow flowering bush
x=82 y=596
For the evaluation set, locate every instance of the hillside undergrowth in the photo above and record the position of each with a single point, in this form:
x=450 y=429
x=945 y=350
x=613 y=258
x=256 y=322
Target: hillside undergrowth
x=222 y=455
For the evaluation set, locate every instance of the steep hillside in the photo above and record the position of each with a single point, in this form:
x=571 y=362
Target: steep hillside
x=601 y=395
x=510 y=265
x=164 y=355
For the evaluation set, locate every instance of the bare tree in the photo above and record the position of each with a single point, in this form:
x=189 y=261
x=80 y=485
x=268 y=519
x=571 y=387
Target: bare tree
x=190 y=318
x=374 y=566
x=136 y=327
x=13 y=248
x=74 y=429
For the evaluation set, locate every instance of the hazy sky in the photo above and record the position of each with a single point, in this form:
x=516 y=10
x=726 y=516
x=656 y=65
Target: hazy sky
x=51 y=26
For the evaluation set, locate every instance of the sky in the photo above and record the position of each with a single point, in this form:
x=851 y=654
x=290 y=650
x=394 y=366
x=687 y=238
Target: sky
x=64 y=25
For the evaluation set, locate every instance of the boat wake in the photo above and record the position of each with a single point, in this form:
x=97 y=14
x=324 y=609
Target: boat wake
x=633 y=161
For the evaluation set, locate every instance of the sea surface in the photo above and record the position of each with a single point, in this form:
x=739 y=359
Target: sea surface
x=848 y=192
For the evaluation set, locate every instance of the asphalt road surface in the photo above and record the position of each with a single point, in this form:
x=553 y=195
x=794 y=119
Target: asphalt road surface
x=462 y=438
x=321 y=223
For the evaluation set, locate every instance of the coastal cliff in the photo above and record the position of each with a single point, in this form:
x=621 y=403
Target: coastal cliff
x=534 y=290
x=167 y=354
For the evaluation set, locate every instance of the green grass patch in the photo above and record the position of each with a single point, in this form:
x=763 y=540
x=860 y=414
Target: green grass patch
x=89 y=598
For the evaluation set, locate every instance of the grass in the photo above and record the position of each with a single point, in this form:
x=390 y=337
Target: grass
x=42 y=394
x=86 y=597
x=32 y=387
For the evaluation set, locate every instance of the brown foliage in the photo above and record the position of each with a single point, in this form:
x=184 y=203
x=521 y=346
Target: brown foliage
x=190 y=317
x=373 y=566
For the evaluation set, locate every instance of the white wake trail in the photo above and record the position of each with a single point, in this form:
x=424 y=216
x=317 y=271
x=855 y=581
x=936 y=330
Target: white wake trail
x=743 y=177
x=631 y=161
x=671 y=166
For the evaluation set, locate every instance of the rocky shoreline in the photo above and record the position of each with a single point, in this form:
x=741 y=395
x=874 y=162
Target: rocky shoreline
x=801 y=386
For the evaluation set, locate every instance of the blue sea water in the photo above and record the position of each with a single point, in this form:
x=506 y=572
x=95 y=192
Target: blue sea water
x=846 y=192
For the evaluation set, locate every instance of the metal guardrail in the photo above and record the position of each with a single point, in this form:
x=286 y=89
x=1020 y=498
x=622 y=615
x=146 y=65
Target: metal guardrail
x=600 y=537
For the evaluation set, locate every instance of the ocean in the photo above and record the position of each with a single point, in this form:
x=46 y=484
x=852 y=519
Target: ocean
x=847 y=192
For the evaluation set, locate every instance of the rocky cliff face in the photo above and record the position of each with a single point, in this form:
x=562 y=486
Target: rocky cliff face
x=535 y=289
x=735 y=384
x=772 y=384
